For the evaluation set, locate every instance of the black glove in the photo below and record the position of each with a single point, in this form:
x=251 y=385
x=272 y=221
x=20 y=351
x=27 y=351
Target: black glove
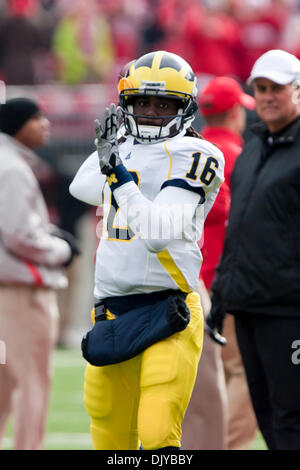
x=214 y=322
x=70 y=239
x=178 y=313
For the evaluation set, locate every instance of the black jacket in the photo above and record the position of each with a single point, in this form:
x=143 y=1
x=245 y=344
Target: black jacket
x=259 y=271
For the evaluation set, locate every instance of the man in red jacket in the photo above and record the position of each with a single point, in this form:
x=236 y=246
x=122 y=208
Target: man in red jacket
x=229 y=422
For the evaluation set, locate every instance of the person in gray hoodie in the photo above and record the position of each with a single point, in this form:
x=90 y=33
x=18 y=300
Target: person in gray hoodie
x=33 y=254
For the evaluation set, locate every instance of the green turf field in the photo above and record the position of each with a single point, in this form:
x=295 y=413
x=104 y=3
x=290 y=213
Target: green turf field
x=68 y=423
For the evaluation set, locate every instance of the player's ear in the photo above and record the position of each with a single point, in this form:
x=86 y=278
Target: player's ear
x=296 y=92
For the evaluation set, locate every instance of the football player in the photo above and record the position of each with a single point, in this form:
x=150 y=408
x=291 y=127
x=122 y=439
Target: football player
x=157 y=184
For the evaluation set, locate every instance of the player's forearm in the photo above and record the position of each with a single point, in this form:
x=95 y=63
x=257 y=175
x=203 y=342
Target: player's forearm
x=158 y=222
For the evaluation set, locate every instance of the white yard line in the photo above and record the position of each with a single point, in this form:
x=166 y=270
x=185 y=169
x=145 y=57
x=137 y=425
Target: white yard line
x=60 y=440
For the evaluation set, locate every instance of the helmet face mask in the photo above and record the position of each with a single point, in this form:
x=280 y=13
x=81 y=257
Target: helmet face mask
x=162 y=75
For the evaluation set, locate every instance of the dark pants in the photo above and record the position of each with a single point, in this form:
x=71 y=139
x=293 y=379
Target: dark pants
x=273 y=376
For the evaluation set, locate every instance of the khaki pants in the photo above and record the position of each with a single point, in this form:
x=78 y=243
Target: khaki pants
x=242 y=426
x=28 y=327
x=205 y=424
x=220 y=413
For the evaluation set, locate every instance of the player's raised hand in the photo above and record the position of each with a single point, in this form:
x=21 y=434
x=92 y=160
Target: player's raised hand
x=106 y=139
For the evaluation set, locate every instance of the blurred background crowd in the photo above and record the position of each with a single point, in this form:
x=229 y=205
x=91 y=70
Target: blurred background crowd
x=88 y=41
x=67 y=54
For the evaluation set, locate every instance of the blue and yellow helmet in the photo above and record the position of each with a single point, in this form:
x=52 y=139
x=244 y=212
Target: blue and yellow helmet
x=160 y=74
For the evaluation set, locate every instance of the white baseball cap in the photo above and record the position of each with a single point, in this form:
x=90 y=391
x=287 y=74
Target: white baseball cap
x=279 y=66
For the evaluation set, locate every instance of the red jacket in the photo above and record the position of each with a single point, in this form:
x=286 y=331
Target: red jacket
x=230 y=143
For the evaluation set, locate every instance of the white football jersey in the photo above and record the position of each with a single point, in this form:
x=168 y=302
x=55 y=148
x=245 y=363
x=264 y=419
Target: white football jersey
x=124 y=264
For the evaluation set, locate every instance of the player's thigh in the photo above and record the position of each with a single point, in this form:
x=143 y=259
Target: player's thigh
x=110 y=391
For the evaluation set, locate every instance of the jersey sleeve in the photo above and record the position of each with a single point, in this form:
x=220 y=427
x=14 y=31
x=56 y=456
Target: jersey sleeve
x=196 y=165
x=88 y=182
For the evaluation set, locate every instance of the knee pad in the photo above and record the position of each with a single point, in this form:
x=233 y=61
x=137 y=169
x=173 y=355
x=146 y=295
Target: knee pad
x=157 y=437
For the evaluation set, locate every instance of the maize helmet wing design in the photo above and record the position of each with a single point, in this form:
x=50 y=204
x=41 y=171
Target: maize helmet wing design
x=160 y=74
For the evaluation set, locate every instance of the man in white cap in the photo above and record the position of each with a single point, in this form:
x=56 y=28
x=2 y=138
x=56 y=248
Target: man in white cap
x=274 y=77
x=258 y=276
